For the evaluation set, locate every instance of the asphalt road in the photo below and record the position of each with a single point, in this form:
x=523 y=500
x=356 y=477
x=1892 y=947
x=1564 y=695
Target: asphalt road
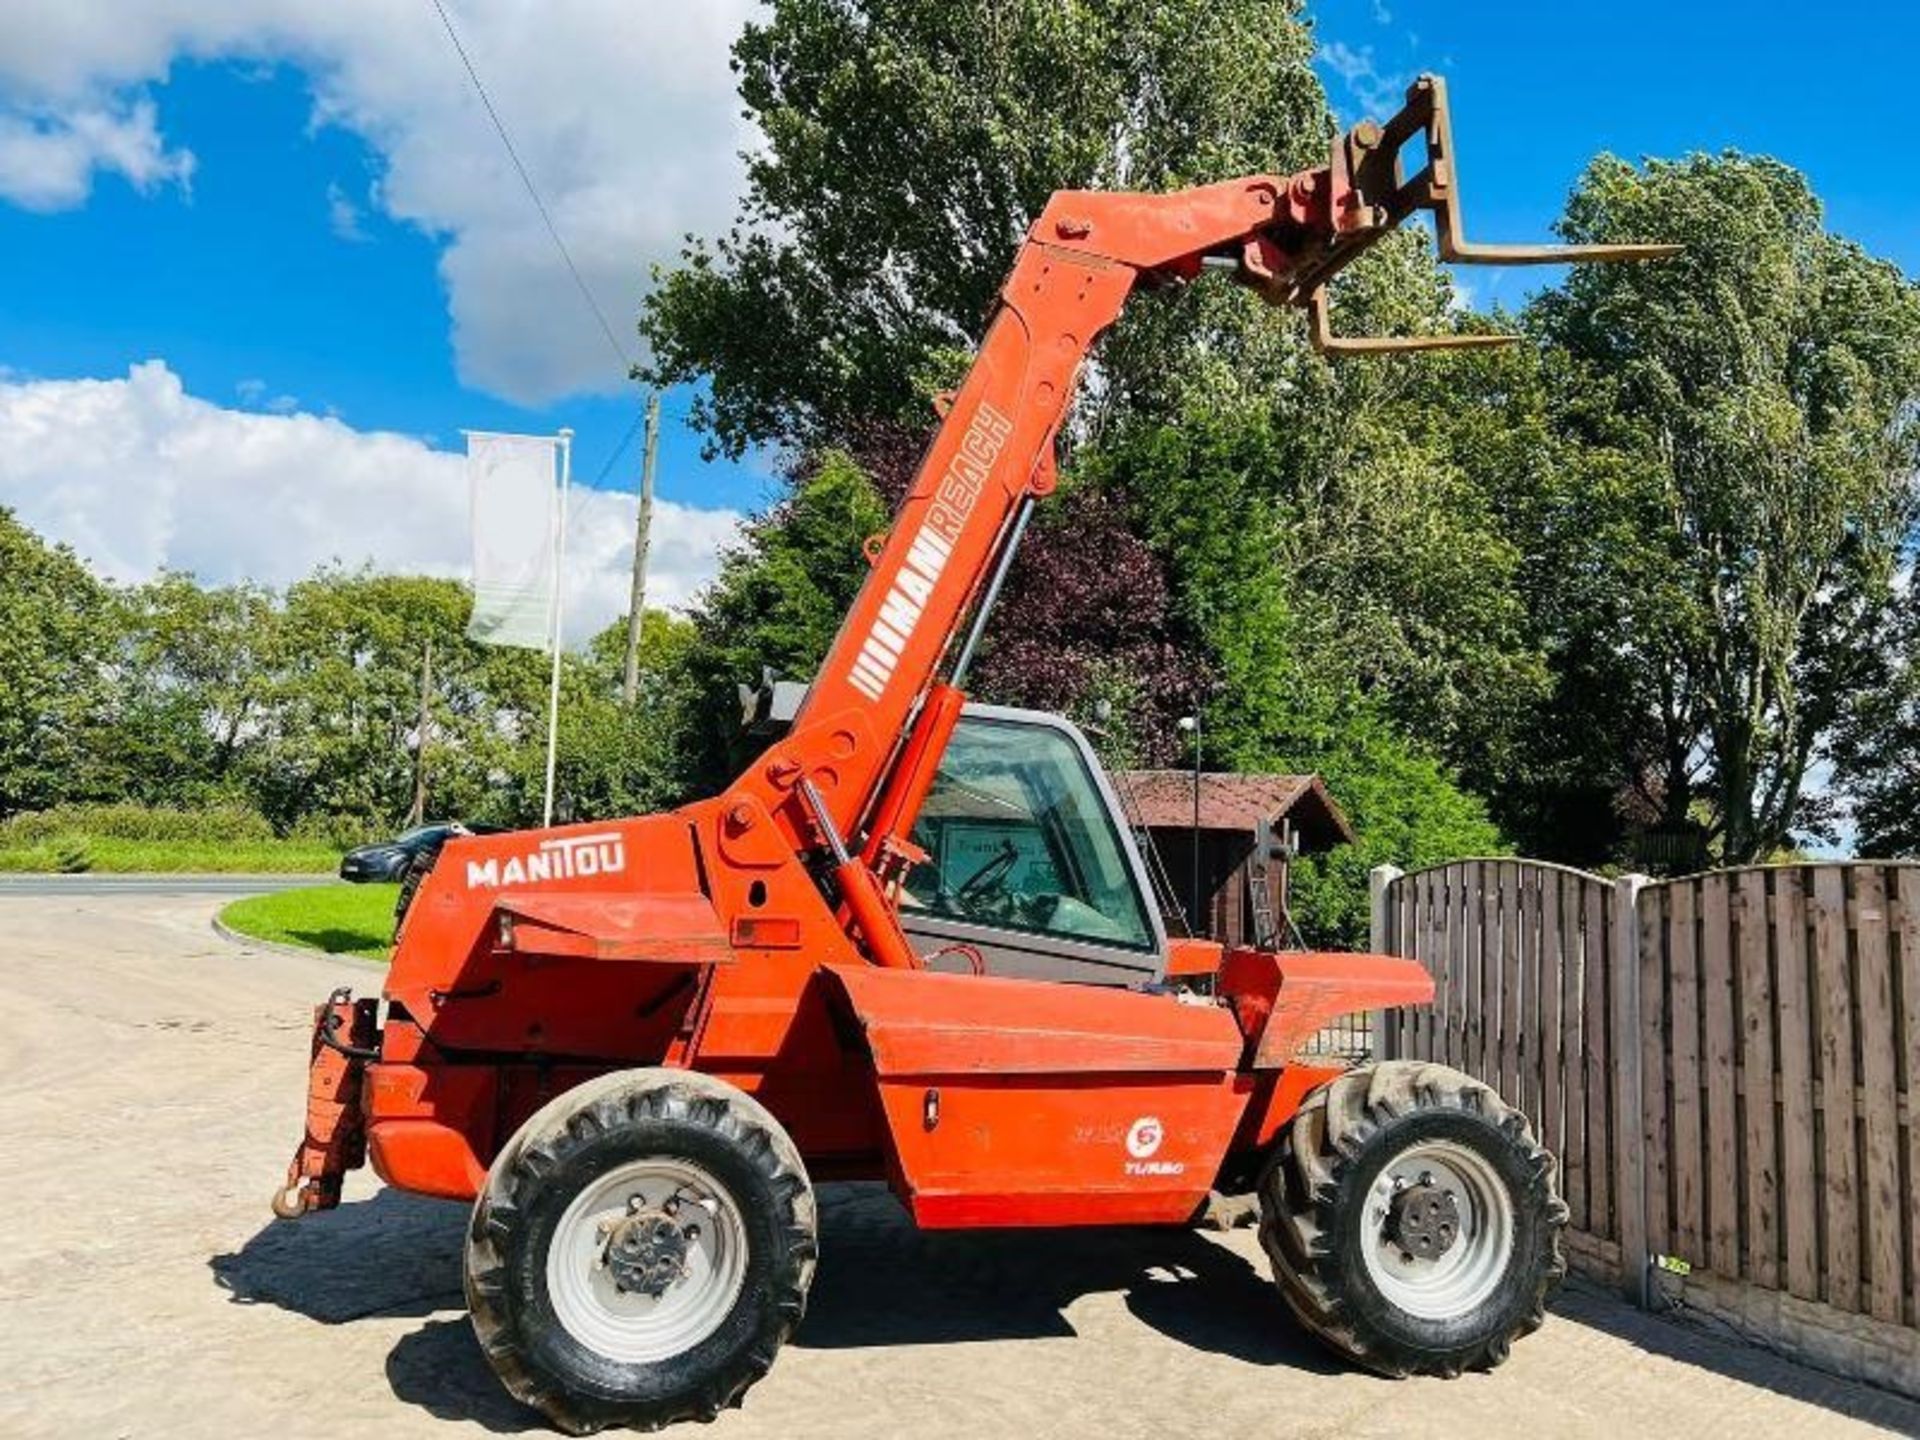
x=151 y=1089
x=55 y=886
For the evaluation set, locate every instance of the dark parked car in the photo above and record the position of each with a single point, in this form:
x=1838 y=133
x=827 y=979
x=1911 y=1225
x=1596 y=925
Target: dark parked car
x=406 y=858
x=388 y=860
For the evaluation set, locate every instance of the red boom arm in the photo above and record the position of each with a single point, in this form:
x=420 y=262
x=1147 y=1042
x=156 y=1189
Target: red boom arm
x=1285 y=236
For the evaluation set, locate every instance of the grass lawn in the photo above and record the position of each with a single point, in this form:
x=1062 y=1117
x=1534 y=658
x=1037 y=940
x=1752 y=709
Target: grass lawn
x=108 y=855
x=343 y=919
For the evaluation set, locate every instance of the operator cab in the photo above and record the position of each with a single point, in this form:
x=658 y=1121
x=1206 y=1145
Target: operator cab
x=1030 y=863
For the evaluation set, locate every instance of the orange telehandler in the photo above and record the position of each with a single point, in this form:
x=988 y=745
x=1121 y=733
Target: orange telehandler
x=636 y=1045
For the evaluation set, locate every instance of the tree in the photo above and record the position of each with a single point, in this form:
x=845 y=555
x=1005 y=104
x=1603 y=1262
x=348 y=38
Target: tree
x=1877 y=748
x=909 y=144
x=58 y=628
x=194 y=686
x=345 y=702
x=859 y=277
x=1085 y=617
x=776 y=603
x=1276 y=701
x=1744 y=421
x=615 y=759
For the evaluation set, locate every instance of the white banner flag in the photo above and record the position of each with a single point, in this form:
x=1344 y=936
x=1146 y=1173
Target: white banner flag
x=516 y=519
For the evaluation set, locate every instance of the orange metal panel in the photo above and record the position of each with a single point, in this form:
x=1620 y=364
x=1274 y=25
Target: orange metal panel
x=1285 y=1000
x=1277 y=1101
x=429 y=1126
x=1020 y=1102
x=1075 y=1148
x=664 y=928
x=1193 y=957
x=426 y=1157
x=927 y=1023
x=454 y=977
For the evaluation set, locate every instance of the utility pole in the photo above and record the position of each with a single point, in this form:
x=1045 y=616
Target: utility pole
x=418 y=814
x=637 y=604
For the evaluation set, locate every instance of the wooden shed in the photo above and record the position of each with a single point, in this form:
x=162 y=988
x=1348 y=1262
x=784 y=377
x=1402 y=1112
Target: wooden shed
x=1251 y=827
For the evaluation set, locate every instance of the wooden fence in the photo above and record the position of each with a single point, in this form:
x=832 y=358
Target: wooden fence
x=1725 y=1064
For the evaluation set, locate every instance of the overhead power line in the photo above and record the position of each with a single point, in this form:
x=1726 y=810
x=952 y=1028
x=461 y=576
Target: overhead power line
x=613 y=340
x=620 y=449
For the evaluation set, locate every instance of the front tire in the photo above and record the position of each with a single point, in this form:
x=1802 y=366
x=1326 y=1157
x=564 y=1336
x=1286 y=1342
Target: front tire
x=642 y=1248
x=415 y=876
x=1412 y=1221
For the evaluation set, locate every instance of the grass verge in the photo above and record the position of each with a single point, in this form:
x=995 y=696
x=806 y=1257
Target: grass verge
x=340 y=919
x=102 y=855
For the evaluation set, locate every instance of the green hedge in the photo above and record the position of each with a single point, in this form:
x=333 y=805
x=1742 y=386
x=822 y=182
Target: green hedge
x=220 y=824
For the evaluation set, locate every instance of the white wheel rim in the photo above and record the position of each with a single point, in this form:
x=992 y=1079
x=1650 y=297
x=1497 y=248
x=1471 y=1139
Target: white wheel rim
x=631 y=1327
x=1461 y=1278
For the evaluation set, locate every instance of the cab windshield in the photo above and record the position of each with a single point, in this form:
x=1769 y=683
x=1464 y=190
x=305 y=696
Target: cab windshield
x=1018 y=834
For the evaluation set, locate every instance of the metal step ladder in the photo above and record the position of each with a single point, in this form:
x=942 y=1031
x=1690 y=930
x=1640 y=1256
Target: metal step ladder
x=1273 y=927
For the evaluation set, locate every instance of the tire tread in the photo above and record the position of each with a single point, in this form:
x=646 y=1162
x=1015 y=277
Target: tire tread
x=1301 y=1192
x=577 y=1118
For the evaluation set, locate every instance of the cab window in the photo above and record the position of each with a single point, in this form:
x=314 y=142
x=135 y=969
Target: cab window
x=1017 y=835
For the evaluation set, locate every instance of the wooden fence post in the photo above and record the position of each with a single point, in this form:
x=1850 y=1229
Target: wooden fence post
x=1629 y=1190
x=1382 y=941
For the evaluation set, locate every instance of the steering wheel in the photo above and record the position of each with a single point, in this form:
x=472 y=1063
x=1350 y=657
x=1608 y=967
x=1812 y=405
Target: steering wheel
x=990 y=876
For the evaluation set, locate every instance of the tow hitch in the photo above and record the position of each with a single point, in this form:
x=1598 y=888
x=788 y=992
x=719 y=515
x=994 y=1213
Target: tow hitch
x=344 y=1040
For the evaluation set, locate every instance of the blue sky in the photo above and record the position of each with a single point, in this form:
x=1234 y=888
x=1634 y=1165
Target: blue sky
x=277 y=270
x=299 y=223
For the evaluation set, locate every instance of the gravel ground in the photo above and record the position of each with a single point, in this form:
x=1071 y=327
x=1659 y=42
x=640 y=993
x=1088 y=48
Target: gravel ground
x=151 y=1090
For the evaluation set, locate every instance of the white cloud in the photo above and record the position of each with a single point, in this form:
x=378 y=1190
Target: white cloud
x=137 y=475
x=625 y=116
x=255 y=394
x=343 y=216
x=48 y=159
x=1380 y=93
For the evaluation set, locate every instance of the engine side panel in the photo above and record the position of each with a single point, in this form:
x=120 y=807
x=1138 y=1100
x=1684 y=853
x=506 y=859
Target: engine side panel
x=1022 y=1102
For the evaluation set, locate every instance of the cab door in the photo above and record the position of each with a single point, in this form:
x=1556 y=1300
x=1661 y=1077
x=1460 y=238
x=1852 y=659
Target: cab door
x=1029 y=867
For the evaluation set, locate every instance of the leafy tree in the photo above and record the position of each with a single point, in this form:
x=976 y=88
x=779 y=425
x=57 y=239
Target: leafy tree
x=1273 y=705
x=1877 y=747
x=1743 y=417
x=1405 y=807
x=194 y=688
x=58 y=627
x=613 y=759
x=909 y=144
x=345 y=701
x=776 y=604
x=1084 y=617
x=1387 y=556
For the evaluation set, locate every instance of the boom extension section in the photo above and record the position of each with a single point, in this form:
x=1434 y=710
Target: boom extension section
x=1285 y=236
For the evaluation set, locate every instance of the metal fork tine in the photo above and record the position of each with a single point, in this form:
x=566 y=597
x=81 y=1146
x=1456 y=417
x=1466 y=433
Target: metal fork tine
x=1370 y=199
x=1436 y=189
x=1473 y=253
x=1320 y=330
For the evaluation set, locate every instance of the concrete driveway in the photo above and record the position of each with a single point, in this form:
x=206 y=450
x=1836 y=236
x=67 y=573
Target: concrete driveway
x=151 y=1081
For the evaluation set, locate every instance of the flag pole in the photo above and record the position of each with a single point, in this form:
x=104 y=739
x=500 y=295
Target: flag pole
x=559 y=566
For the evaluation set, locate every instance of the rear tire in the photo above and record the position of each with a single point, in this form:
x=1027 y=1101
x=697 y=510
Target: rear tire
x=1412 y=1221
x=642 y=1248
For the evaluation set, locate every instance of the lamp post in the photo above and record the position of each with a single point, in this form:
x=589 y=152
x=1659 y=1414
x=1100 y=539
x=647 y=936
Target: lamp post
x=1190 y=725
